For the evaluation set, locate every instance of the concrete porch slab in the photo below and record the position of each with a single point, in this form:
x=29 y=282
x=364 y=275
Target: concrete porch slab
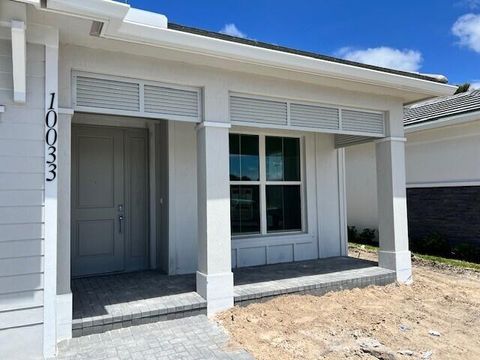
x=104 y=303
x=314 y=277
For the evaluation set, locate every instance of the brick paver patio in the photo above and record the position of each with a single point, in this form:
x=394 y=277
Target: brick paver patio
x=110 y=302
x=193 y=337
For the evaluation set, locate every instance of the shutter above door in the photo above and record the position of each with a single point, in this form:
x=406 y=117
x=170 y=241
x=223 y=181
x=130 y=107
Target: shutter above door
x=107 y=94
x=163 y=100
x=130 y=97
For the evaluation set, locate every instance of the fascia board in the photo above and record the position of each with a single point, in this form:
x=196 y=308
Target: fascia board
x=119 y=28
x=193 y=43
x=93 y=9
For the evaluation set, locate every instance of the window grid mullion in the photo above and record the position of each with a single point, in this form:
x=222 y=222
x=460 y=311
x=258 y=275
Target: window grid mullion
x=263 y=175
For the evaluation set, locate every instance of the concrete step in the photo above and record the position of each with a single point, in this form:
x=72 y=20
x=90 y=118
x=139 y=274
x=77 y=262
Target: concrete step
x=139 y=312
x=317 y=284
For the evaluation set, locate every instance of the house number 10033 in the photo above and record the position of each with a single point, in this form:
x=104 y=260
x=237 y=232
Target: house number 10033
x=51 y=138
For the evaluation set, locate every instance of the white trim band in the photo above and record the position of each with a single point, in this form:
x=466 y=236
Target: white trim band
x=65 y=111
x=444 y=184
x=391 y=138
x=213 y=124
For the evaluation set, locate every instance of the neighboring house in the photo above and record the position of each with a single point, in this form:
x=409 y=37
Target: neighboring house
x=127 y=143
x=442 y=166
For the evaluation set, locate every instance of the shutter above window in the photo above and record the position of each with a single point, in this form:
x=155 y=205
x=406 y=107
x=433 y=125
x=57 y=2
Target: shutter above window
x=107 y=94
x=248 y=110
x=312 y=116
x=362 y=121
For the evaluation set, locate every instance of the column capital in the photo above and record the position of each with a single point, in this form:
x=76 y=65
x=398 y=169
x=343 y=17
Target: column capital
x=216 y=124
x=391 y=139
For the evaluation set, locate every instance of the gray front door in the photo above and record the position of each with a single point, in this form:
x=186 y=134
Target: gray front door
x=109 y=200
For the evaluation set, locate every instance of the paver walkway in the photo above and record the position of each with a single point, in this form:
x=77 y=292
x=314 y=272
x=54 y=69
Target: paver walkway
x=194 y=337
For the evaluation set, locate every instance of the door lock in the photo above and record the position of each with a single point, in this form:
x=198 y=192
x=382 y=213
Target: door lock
x=120 y=220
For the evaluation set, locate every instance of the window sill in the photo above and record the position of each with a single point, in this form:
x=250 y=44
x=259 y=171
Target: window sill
x=292 y=237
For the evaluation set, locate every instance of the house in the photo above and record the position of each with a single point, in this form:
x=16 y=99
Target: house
x=130 y=143
x=442 y=171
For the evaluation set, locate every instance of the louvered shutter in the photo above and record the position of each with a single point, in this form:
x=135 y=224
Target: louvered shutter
x=105 y=94
x=362 y=121
x=170 y=101
x=248 y=110
x=102 y=93
x=342 y=140
x=311 y=116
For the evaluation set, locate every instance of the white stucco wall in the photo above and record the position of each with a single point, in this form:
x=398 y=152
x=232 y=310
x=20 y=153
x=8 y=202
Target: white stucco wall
x=322 y=204
x=446 y=156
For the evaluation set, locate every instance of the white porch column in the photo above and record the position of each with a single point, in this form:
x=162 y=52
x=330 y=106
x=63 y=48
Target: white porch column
x=214 y=275
x=392 y=204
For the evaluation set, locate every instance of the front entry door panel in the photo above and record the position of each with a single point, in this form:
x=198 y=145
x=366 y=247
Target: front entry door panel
x=101 y=232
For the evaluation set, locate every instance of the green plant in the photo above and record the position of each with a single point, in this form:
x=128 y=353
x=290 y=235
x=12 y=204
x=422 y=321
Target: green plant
x=468 y=252
x=366 y=236
x=352 y=233
x=433 y=244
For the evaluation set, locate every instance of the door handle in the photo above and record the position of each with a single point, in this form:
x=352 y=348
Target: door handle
x=120 y=220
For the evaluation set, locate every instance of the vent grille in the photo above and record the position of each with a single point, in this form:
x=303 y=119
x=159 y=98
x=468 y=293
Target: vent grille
x=247 y=110
x=107 y=94
x=169 y=101
x=362 y=121
x=314 y=116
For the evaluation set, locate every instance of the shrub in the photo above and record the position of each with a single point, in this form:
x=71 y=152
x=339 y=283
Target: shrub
x=433 y=244
x=352 y=233
x=366 y=236
x=468 y=252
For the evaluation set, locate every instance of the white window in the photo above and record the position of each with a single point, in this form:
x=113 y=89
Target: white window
x=265 y=184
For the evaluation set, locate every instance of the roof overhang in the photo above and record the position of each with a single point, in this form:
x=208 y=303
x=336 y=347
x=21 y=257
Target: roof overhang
x=445 y=121
x=123 y=23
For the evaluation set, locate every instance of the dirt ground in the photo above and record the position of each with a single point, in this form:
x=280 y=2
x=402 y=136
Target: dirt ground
x=438 y=317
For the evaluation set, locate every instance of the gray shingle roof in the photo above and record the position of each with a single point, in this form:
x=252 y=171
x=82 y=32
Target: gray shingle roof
x=438 y=108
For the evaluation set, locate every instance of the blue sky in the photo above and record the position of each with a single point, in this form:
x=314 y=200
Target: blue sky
x=430 y=36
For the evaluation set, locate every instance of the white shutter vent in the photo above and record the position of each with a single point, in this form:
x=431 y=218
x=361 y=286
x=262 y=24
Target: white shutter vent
x=362 y=121
x=310 y=116
x=169 y=101
x=107 y=94
x=247 y=110
x=130 y=97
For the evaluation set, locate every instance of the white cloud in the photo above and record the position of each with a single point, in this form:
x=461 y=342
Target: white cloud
x=467 y=29
x=407 y=60
x=474 y=85
x=471 y=4
x=232 y=30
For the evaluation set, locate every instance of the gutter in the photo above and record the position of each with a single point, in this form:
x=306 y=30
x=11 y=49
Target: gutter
x=123 y=23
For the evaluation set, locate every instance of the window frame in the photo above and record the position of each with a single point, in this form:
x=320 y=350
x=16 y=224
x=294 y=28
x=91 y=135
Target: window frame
x=262 y=183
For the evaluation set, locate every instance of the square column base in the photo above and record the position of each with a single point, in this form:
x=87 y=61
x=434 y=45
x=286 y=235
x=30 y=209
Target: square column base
x=399 y=261
x=217 y=289
x=64 y=316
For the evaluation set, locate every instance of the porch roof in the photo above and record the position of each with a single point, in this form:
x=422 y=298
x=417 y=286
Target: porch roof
x=119 y=22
